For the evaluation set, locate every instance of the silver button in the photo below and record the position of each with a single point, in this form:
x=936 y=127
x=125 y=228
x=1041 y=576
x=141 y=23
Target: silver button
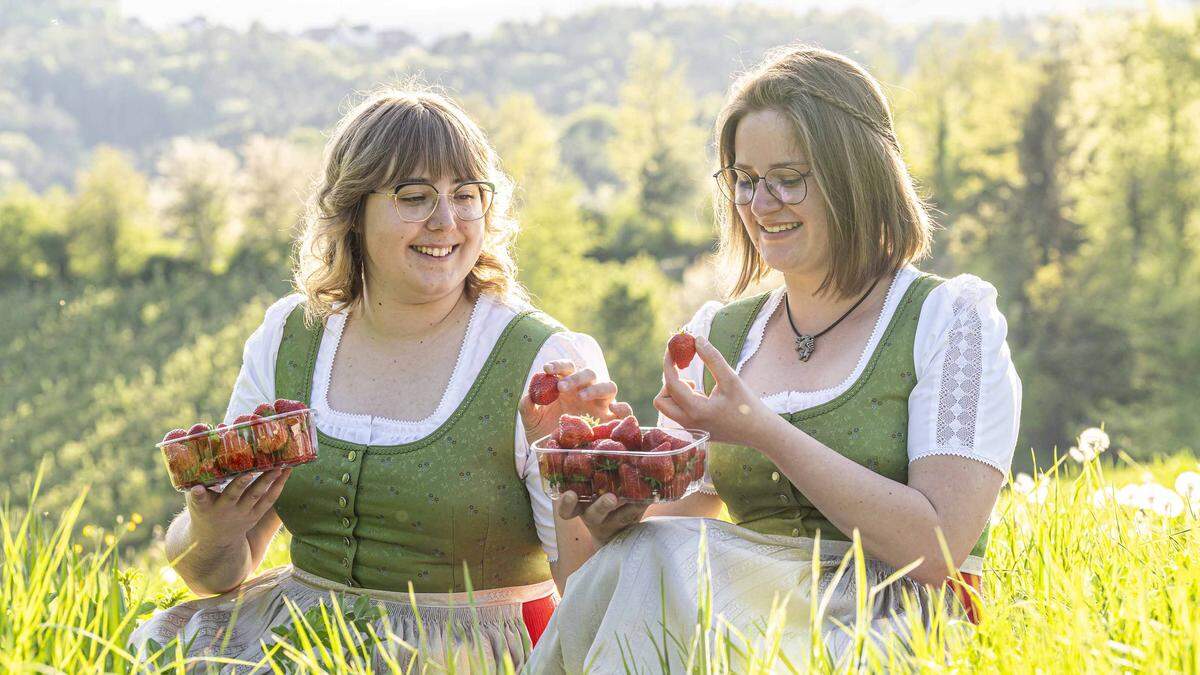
x=795 y=532
x=345 y=522
x=352 y=456
x=345 y=561
x=345 y=478
x=783 y=498
x=775 y=476
x=346 y=540
x=342 y=501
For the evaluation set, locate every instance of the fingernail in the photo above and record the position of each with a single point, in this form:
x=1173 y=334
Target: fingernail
x=562 y=385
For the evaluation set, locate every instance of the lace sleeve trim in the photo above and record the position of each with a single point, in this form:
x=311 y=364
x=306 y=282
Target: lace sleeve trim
x=962 y=370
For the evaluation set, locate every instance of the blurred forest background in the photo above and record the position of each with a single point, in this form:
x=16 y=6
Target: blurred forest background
x=150 y=180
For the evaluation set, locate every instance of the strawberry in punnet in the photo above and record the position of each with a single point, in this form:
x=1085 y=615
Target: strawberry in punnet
x=551 y=466
x=236 y=454
x=174 y=434
x=610 y=454
x=698 y=463
x=299 y=447
x=604 y=430
x=658 y=466
x=207 y=472
x=654 y=438
x=628 y=433
x=201 y=444
x=631 y=486
x=577 y=474
x=573 y=431
x=543 y=389
x=682 y=347
x=604 y=482
x=270 y=434
x=285 y=405
x=181 y=461
x=678 y=486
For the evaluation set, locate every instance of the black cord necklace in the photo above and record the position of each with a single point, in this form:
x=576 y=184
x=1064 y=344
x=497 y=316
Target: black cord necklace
x=807 y=344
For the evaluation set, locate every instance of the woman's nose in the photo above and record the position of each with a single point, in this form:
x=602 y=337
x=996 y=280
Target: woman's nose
x=442 y=216
x=763 y=201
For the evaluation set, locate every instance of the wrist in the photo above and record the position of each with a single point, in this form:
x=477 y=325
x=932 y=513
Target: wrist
x=765 y=433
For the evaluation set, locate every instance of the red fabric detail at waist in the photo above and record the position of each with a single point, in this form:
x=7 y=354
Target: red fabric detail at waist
x=969 y=591
x=536 y=614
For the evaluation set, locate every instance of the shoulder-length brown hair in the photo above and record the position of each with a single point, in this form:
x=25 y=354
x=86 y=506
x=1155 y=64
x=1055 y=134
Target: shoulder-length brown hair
x=381 y=140
x=842 y=122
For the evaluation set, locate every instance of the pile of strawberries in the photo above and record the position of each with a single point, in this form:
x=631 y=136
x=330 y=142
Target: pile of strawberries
x=275 y=435
x=619 y=456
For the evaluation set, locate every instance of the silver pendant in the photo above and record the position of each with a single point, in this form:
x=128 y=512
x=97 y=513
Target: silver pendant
x=805 y=346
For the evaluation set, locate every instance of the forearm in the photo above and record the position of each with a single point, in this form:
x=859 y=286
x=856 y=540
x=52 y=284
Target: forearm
x=575 y=546
x=208 y=565
x=852 y=497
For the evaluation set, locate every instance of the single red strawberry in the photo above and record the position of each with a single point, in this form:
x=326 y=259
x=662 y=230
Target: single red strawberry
x=573 y=431
x=656 y=466
x=577 y=475
x=302 y=437
x=243 y=419
x=173 y=434
x=682 y=347
x=604 y=482
x=678 y=486
x=578 y=466
x=551 y=466
x=610 y=454
x=605 y=430
x=682 y=461
x=543 y=389
x=631 y=486
x=271 y=435
x=698 y=463
x=285 y=405
x=678 y=443
x=265 y=410
x=207 y=471
x=181 y=462
x=654 y=438
x=234 y=442
x=628 y=433
x=236 y=455
x=201 y=443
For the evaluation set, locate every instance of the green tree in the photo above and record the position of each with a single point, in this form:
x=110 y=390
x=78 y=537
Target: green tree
x=199 y=179
x=109 y=219
x=275 y=176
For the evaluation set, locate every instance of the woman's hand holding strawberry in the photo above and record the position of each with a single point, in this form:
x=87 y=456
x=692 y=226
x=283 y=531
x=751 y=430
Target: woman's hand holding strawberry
x=578 y=393
x=730 y=413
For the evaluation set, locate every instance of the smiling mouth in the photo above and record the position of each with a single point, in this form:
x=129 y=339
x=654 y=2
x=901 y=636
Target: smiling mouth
x=435 y=251
x=781 y=227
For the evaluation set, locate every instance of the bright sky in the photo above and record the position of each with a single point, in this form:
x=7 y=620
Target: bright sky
x=432 y=18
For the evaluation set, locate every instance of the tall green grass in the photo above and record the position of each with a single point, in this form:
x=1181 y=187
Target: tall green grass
x=1091 y=568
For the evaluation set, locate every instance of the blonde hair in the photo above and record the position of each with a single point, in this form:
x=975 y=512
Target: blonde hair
x=378 y=143
x=842 y=122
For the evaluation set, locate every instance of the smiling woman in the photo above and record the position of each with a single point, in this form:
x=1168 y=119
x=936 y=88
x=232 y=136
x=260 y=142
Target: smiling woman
x=412 y=340
x=861 y=396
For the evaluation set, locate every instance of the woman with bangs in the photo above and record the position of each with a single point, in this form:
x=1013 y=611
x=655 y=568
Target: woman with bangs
x=860 y=395
x=411 y=338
